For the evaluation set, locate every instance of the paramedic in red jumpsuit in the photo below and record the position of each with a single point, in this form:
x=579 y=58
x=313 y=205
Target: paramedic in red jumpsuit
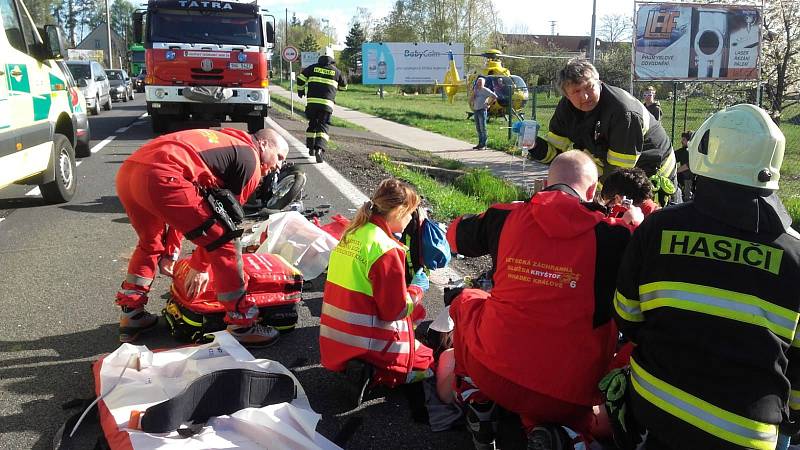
x=540 y=342
x=159 y=186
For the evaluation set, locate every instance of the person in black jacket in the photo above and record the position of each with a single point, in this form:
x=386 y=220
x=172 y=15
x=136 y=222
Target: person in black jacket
x=651 y=103
x=709 y=291
x=319 y=83
x=610 y=125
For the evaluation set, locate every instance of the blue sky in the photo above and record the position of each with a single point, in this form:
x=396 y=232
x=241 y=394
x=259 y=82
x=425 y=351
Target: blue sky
x=572 y=16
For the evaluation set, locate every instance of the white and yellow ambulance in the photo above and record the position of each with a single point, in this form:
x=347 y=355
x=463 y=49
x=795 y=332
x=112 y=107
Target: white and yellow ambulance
x=37 y=130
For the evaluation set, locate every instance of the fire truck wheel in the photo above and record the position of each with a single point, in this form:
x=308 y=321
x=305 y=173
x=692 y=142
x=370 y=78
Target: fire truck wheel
x=254 y=124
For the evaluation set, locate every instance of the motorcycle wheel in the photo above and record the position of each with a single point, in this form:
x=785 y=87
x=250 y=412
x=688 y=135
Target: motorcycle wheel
x=289 y=188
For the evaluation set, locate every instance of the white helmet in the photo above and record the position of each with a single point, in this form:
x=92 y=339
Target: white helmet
x=741 y=145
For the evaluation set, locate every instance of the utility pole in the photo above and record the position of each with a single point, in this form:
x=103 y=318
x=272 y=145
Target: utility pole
x=592 y=38
x=553 y=27
x=108 y=30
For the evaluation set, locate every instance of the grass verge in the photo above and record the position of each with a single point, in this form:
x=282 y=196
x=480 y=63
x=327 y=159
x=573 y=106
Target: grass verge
x=449 y=202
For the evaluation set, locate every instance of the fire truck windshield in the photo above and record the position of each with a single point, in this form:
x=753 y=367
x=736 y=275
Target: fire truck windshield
x=204 y=27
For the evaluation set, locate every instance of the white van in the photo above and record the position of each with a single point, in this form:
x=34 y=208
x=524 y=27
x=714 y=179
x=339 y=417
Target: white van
x=37 y=134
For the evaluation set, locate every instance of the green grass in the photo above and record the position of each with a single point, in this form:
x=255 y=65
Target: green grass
x=447 y=201
x=490 y=189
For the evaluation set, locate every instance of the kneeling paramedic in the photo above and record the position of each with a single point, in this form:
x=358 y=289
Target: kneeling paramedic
x=709 y=291
x=368 y=309
x=555 y=259
x=165 y=188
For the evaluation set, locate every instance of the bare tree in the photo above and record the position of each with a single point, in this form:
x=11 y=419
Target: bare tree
x=615 y=28
x=781 y=55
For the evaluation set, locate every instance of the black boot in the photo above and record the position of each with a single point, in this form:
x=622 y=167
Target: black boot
x=482 y=424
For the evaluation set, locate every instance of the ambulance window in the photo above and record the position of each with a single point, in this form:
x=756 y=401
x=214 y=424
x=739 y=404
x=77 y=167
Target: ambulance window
x=27 y=29
x=12 y=26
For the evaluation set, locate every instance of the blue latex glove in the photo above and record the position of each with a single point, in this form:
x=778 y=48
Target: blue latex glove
x=421 y=280
x=783 y=442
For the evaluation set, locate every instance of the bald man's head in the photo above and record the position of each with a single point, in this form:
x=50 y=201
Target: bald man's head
x=575 y=169
x=272 y=147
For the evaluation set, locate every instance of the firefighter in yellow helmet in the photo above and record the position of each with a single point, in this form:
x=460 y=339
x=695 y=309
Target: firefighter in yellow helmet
x=710 y=292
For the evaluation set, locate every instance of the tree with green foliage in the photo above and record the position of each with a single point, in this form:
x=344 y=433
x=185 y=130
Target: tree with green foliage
x=309 y=44
x=352 y=51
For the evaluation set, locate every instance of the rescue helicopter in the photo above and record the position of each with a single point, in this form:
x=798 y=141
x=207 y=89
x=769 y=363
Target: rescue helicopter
x=498 y=79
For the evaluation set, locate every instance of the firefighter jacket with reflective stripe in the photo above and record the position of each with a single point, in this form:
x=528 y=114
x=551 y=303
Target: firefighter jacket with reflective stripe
x=618 y=132
x=555 y=261
x=710 y=293
x=320 y=82
x=181 y=153
x=366 y=306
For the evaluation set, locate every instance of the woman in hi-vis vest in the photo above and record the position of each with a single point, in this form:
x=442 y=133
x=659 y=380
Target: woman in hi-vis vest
x=368 y=310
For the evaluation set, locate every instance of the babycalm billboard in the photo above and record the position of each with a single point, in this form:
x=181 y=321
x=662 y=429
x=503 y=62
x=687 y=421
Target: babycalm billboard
x=408 y=62
x=684 y=41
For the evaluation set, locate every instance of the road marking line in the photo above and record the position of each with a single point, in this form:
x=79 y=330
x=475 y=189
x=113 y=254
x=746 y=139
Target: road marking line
x=2 y=219
x=99 y=146
x=350 y=192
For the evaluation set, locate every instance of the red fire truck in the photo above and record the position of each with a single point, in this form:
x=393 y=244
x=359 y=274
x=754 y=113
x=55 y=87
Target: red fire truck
x=208 y=60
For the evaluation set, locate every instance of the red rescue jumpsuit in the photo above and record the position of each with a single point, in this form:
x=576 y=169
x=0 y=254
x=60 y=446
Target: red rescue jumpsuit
x=159 y=185
x=539 y=343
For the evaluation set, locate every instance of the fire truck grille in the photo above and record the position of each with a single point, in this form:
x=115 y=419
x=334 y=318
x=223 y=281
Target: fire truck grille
x=207 y=77
x=203 y=72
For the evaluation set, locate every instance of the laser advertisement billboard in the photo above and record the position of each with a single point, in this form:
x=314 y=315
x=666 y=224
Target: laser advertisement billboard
x=683 y=41
x=408 y=62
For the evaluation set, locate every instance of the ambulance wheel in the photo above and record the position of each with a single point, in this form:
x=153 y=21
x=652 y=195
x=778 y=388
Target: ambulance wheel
x=63 y=187
x=254 y=124
x=289 y=188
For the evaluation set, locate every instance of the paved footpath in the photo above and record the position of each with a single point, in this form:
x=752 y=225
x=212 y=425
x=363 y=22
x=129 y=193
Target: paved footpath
x=501 y=164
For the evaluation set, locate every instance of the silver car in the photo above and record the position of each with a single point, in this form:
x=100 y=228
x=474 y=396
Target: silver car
x=121 y=84
x=93 y=82
x=80 y=118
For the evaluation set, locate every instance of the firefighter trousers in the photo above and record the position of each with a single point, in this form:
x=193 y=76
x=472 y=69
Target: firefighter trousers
x=155 y=198
x=318 y=121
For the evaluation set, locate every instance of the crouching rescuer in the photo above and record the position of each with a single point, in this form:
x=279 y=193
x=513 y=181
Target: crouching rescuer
x=708 y=292
x=369 y=310
x=190 y=184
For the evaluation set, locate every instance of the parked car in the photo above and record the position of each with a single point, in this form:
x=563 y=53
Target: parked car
x=139 y=81
x=80 y=116
x=121 y=85
x=93 y=82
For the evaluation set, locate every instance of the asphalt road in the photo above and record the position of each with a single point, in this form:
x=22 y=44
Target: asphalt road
x=60 y=266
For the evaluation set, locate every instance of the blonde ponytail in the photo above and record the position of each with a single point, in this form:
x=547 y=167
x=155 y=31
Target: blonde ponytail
x=390 y=194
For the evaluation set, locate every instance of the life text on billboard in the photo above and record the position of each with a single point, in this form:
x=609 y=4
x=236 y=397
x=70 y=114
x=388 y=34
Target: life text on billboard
x=408 y=62
x=683 y=41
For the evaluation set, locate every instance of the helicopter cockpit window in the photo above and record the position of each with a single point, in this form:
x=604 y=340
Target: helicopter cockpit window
x=519 y=82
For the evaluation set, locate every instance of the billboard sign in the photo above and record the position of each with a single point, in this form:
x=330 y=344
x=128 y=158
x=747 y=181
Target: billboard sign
x=308 y=58
x=684 y=41
x=76 y=54
x=408 y=62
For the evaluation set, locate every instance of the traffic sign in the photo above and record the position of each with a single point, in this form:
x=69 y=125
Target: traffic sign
x=290 y=54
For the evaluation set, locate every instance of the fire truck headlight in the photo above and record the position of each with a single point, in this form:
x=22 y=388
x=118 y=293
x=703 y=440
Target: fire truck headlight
x=242 y=57
x=170 y=55
x=160 y=93
x=255 y=96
